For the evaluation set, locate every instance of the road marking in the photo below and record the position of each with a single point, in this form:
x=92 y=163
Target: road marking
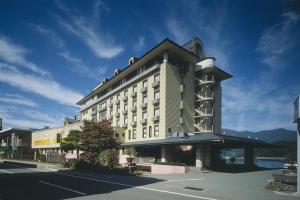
x=68 y=189
x=192 y=179
x=138 y=187
x=8 y=172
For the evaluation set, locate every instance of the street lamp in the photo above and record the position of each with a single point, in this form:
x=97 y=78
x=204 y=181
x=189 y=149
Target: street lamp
x=297 y=120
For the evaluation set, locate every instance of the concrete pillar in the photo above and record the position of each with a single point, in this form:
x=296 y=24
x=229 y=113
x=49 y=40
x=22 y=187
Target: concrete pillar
x=163 y=154
x=34 y=156
x=165 y=55
x=199 y=156
x=249 y=157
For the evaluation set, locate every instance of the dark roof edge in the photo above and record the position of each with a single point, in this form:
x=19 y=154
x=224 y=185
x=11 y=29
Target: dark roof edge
x=156 y=46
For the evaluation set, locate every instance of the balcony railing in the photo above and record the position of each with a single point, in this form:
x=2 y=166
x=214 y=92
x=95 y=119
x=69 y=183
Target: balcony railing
x=155 y=101
x=155 y=84
x=133 y=109
x=143 y=121
x=155 y=118
x=117 y=102
x=143 y=90
x=133 y=123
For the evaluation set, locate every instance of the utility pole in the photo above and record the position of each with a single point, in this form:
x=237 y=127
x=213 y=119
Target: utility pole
x=297 y=120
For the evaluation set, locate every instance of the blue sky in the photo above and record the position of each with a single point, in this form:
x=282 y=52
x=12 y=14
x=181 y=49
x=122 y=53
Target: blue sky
x=53 y=53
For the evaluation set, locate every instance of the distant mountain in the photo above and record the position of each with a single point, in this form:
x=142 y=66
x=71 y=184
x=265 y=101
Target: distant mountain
x=267 y=136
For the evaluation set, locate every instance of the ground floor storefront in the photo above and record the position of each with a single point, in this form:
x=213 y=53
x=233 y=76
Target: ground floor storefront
x=204 y=152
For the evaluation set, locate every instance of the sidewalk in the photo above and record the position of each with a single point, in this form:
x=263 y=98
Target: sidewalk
x=32 y=164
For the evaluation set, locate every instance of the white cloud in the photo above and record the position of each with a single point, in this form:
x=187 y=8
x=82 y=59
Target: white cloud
x=139 y=44
x=90 y=33
x=177 y=30
x=17 y=99
x=278 y=39
x=42 y=86
x=15 y=54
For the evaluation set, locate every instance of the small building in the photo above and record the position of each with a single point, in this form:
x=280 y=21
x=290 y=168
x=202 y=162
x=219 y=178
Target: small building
x=46 y=142
x=16 y=143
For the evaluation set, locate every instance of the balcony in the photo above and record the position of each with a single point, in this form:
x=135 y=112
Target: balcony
x=94 y=112
x=125 y=98
x=133 y=123
x=125 y=112
x=133 y=94
x=144 y=105
x=181 y=105
x=155 y=101
x=205 y=97
x=110 y=105
x=155 y=118
x=102 y=109
x=144 y=121
x=155 y=84
x=124 y=125
x=143 y=90
x=110 y=117
x=204 y=113
x=181 y=120
x=117 y=102
x=117 y=114
x=133 y=109
x=181 y=87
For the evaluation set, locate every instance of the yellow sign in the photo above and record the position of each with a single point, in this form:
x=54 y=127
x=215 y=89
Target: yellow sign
x=42 y=142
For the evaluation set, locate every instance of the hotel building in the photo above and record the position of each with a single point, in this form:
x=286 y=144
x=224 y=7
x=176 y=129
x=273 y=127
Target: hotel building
x=166 y=103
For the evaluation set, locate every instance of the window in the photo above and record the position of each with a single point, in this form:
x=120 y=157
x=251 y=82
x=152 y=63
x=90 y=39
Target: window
x=118 y=122
x=156 y=94
x=156 y=77
x=111 y=113
x=102 y=116
x=118 y=109
x=145 y=115
x=58 y=138
x=111 y=100
x=103 y=105
x=125 y=93
x=125 y=106
x=156 y=130
x=118 y=97
x=150 y=131
x=134 y=118
x=94 y=109
x=134 y=88
x=116 y=135
x=125 y=120
x=144 y=132
x=94 y=118
x=156 y=111
x=145 y=99
x=129 y=134
x=145 y=83
x=134 y=103
x=134 y=134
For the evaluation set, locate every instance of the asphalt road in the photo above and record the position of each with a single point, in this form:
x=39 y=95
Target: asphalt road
x=30 y=183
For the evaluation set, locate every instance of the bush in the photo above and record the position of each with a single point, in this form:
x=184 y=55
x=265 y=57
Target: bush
x=81 y=164
x=109 y=158
x=130 y=151
x=70 y=163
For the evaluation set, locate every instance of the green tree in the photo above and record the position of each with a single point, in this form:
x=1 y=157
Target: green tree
x=71 y=142
x=96 y=137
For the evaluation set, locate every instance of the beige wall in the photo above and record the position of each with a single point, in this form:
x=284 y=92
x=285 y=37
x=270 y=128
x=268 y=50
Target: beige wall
x=47 y=138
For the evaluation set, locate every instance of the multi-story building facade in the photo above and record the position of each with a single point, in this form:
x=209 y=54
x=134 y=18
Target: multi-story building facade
x=170 y=92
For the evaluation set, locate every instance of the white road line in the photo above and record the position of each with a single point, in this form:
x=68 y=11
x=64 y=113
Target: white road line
x=68 y=189
x=39 y=170
x=138 y=187
x=8 y=172
x=192 y=179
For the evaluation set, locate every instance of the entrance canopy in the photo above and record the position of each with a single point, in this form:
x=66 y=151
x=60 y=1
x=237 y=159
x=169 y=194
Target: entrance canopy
x=184 y=138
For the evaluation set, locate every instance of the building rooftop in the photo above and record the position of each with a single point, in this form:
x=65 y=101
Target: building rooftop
x=15 y=130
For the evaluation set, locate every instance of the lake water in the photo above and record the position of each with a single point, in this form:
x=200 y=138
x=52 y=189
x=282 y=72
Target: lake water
x=270 y=164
